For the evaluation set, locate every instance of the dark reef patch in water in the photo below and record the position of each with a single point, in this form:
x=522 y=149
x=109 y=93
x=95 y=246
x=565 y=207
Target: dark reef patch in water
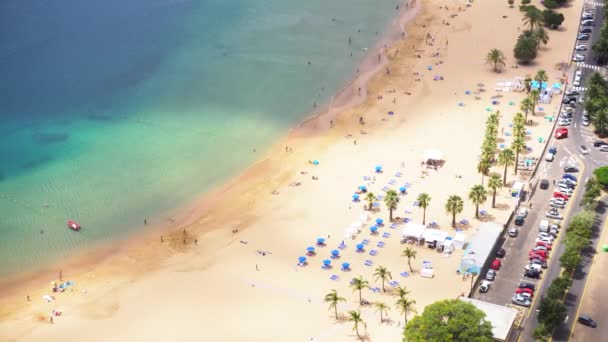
x=50 y=138
x=35 y=163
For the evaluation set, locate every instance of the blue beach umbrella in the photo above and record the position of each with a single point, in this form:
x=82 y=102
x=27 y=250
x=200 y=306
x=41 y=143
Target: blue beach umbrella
x=335 y=252
x=326 y=262
x=345 y=265
x=373 y=229
x=557 y=85
x=403 y=189
x=544 y=85
x=391 y=113
x=302 y=259
x=379 y=221
x=362 y=187
x=355 y=197
x=360 y=246
x=310 y=249
x=378 y=168
x=320 y=241
x=315 y=162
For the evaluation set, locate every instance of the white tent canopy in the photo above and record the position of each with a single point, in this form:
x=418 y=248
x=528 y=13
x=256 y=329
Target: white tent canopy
x=433 y=154
x=434 y=235
x=413 y=230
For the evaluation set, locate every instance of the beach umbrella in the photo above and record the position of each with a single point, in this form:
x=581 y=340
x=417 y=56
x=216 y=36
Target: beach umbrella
x=315 y=162
x=467 y=92
x=326 y=262
x=373 y=229
x=362 y=188
x=544 y=85
x=345 y=265
x=320 y=240
x=360 y=246
x=605 y=248
x=335 y=252
x=403 y=189
x=302 y=259
x=378 y=168
x=310 y=249
x=488 y=109
x=379 y=221
x=355 y=197
x=391 y=113
x=557 y=85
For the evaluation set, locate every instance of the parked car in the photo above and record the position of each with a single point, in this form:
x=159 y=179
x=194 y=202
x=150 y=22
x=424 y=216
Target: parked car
x=558 y=194
x=585 y=121
x=570 y=99
x=599 y=143
x=495 y=265
x=586 y=30
x=513 y=232
x=565 y=115
x=603 y=148
x=554 y=215
x=544 y=244
x=525 y=290
x=579 y=47
x=587 y=320
x=584 y=149
x=544 y=184
x=570 y=168
x=537 y=254
x=501 y=253
x=546 y=236
x=566 y=183
x=583 y=36
x=539 y=261
x=539 y=248
x=519 y=220
x=564 y=122
x=570 y=177
x=556 y=205
x=527 y=285
x=577 y=58
x=588 y=22
x=564 y=190
x=485 y=286
x=561 y=133
x=491 y=274
x=518 y=299
x=531 y=273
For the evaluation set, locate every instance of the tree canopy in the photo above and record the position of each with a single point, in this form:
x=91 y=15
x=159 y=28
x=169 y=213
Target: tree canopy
x=449 y=320
x=601 y=174
x=552 y=19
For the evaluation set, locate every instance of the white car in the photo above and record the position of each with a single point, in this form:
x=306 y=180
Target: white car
x=564 y=183
x=554 y=215
x=585 y=121
x=564 y=190
x=556 y=200
x=581 y=47
x=577 y=81
x=523 y=212
x=518 y=299
x=603 y=148
x=578 y=58
x=564 y=122
x=588 y=22
x=556 y=205
x=533 y=267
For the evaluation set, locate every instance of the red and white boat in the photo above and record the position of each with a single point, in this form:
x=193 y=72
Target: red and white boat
x=74 y=225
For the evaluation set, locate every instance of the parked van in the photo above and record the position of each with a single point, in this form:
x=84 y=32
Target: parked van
x=549 y=156
x=544 y=226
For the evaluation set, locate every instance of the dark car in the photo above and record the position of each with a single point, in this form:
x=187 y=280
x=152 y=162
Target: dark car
x=526 y=285
x=568 y=100
x=586 y=30
x=586 y=320
x=570 y=168
x=519 y=220
x=599 y=143
x=531 y=274
x=501 y=253
x=544 y=184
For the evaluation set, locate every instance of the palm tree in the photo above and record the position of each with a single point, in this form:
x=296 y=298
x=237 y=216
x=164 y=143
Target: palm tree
x=333 y=299
x=370 y=198
x=401 y=292
x=532 y=17
x=483 y=167
x=496 y=58
x=541 y=36
x=391 y=200
x=528 y=84
x=506 y=158
x=382 y=308
x=518 y=145
x=525 y=49
x=541 y=76
x=405 y=306
x=494 y=183
x=527 y=106
x=534 y=96
x=423 y=202
x=410 y=254
x=478 y=195
x=600 y=120
x=359 y=284
x=454 y=206
x=519 y=119
x=382 y=274
x=355 y=317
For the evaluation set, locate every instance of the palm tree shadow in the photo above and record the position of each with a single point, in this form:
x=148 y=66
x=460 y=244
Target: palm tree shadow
x=486 y=218
x=502 y=206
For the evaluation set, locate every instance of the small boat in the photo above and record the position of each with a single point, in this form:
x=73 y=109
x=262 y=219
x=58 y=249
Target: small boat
x=74 y=225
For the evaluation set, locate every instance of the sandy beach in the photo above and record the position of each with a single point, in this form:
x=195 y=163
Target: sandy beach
x=226 y=270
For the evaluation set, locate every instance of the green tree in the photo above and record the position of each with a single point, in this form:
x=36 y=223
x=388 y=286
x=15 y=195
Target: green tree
x=541 y=333
x=600 y=120
x=382 y=308
x=370 y=198
x=496 y=58
x=552 y=19
x=570 y=259
x=601 y=174
x=410 y=254
x=406 y=306
x=454 y=206
x=533 y=17
x=534 y=96
x=494 y=183
x=518 y=145
x=358 y=284
x=541 y=36
x=383 y=275
x=525 y=49
x=525 y=2
x=333 y=299
x=478 y=195
x=423 y=202
x=449 y=320
x=527 y=106
x=558 y=287
x=550 y=4
x=551 y=312
x=401 y=292
x=391 y=199
x=506 y=158
x=541 y=76
x=355 y=317
x=601 y=50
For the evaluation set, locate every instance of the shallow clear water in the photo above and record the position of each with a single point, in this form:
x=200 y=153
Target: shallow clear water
x=113 y=111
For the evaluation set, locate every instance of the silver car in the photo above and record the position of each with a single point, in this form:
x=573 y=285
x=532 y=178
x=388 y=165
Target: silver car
x=518 y=299
x=491 y=274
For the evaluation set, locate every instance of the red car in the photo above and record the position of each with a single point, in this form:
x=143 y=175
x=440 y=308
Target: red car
x=544 y=244
x=561 y=133
x=561 y=195
x=525 y=290
x=534 y=254
x=495 y=265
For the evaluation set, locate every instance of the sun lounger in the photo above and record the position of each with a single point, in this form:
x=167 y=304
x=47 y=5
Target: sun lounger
x=380 y=197
x=404 y=274
x=365 y=241
x=368 y=262
x=380 y=244
x=392 y=182
x=393 y=226
x=373 y=252
x=464 y=221
x=366 y=178
x=483 y=212
x=406 y=219
x=393 y=283
x=376 y=205
x=334 y=277
x=415 y=204
x=398 y=174
x=386 y=235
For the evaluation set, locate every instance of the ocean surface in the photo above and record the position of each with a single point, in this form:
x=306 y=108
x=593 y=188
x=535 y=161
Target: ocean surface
x=114 y=111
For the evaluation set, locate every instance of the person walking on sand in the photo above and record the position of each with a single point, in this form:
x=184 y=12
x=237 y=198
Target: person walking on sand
x=256 y=267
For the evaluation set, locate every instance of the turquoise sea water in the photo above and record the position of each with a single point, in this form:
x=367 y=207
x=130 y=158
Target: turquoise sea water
x=112 y=111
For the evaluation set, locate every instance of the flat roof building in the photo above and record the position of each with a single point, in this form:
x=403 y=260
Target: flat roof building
x=501 y=317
